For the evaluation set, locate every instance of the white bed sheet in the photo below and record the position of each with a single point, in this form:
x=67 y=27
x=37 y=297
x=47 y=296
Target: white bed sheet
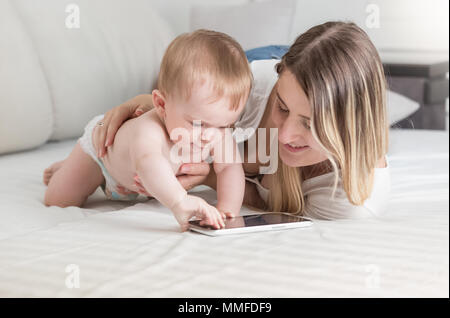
x=137 y=250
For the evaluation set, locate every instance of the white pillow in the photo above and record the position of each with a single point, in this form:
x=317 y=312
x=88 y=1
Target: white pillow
x=113 y=56
x=25 y=103
x=252 y=25
x=399 y=107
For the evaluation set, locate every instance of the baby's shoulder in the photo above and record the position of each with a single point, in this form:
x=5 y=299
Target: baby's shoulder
x=146 y=131
x=149 y=126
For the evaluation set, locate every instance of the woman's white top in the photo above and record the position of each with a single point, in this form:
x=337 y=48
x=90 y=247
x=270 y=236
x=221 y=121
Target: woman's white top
x=317 y=191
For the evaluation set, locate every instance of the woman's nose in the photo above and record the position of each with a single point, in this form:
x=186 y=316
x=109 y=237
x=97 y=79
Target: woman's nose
x=289 y=131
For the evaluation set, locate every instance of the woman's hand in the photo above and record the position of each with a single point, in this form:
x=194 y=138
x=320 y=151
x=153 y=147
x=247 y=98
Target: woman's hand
x=193 y=174
x=103 y=135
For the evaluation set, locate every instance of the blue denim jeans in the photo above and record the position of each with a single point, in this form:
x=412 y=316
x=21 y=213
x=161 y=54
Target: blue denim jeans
x=271 y=52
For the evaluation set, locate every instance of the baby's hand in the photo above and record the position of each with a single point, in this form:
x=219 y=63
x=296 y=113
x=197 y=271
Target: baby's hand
x=227 y=215
x=194 y=206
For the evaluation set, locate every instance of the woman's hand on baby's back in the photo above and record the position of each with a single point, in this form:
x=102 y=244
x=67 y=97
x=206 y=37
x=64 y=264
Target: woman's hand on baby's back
x=103 y=135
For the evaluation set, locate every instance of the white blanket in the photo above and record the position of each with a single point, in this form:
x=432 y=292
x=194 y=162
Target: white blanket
x=120 y=249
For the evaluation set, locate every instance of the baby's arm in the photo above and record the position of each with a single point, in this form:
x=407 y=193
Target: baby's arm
x=230 y=184
x=158 y=179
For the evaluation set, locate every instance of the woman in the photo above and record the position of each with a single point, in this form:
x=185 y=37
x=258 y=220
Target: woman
x=327 y=98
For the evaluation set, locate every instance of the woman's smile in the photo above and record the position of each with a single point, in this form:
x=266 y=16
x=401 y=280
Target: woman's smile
x=295 y=149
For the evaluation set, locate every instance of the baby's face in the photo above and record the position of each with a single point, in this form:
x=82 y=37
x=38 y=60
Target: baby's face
x=203 y=117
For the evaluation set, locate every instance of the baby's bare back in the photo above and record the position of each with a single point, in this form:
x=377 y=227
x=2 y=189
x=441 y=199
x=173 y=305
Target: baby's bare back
x=120 y=161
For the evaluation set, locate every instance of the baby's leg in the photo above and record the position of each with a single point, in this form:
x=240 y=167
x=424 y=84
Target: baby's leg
x=77 y=178
x=50 y=171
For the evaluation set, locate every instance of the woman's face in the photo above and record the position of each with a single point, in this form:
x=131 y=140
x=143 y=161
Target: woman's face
x=291 y=114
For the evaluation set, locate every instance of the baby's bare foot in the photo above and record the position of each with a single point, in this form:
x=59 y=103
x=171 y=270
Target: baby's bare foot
x=50 y=171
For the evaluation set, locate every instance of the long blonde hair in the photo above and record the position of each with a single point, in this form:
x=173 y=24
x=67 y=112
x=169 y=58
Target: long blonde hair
x=341 y=73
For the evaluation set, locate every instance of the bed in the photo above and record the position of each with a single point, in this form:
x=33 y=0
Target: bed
x=136 y=250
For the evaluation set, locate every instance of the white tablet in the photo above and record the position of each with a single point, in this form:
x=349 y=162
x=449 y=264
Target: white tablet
x=271 y=221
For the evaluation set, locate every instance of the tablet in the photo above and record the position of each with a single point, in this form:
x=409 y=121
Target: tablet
x=271 y=221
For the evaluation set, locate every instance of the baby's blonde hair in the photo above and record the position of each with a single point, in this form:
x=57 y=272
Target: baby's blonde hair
x=205 y=55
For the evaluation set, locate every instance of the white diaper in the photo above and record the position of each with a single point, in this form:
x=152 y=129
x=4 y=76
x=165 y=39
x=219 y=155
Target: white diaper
x=110 y=185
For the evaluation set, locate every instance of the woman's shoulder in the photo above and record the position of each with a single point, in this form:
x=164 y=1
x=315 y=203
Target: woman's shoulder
x=264 y=79
x=322 y=204
x=382 y=169
x=264 y=76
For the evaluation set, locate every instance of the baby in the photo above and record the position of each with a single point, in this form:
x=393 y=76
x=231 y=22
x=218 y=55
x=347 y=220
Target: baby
x=203 y=85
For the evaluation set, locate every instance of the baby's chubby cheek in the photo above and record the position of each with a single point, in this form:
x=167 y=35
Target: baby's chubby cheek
x=217 y=137
x=211 y=135
x=197 y=137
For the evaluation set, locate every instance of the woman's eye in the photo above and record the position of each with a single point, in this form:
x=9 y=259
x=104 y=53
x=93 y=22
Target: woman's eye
x=306 y=125
x=284 y=110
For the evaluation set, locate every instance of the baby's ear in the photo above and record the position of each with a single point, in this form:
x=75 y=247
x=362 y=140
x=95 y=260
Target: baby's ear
x=159 y=102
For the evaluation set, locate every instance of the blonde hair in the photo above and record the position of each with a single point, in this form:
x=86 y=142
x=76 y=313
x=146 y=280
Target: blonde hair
x=341 y=73
x=203 y=54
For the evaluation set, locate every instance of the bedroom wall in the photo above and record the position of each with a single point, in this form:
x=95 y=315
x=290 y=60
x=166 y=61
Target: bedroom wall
x=403 y=24
x=177 y=12
x=417 y=25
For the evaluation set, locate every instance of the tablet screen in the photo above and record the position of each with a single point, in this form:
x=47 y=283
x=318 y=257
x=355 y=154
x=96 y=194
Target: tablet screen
x=256 y=220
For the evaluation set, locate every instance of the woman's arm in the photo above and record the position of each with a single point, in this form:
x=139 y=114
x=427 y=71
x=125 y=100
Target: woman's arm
x=104 y=135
